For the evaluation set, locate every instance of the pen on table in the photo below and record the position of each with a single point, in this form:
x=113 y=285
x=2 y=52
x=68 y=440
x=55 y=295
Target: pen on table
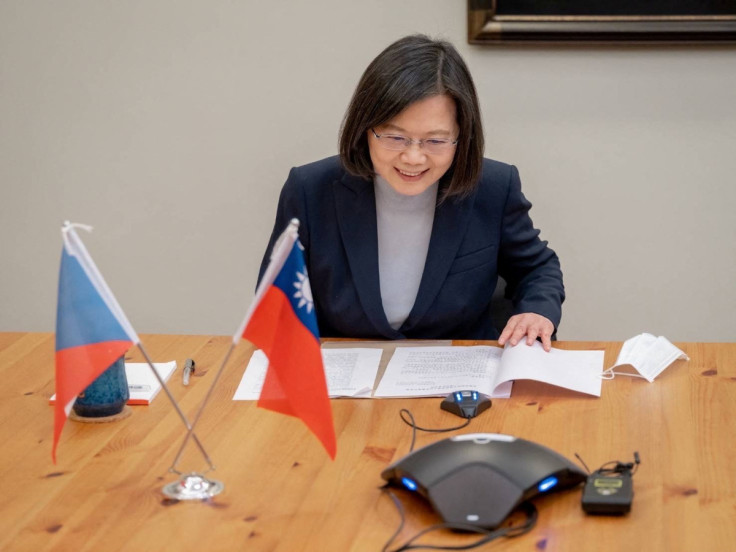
x=188 y=370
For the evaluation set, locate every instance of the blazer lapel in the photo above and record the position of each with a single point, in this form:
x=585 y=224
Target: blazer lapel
x=355 y=202
x=448 y=230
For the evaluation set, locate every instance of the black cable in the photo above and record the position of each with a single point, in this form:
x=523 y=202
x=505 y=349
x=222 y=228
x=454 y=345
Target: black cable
x=414 y=427
x=508 y=532
x=400 y=509
x=587 y=469
x=511 y=531
x=488 y=535
x=614 y=467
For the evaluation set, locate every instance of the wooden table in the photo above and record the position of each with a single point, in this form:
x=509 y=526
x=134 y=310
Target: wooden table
x=283 y=493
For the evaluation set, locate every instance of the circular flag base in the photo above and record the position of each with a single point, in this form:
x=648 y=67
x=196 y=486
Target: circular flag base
x=193 y=486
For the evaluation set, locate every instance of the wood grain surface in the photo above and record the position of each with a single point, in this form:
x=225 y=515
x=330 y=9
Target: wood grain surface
x=282 y=492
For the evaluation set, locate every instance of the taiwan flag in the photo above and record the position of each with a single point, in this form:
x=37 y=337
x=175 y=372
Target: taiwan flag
x=92 y=330
x=282 y=323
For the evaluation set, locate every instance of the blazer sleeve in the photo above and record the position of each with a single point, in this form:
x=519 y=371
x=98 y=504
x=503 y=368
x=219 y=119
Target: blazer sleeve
x=530 y=268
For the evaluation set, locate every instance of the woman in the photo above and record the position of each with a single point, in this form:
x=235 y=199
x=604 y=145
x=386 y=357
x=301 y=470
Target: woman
x=406 y=231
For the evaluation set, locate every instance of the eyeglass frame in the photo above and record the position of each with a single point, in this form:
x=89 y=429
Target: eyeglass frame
x=408 y=142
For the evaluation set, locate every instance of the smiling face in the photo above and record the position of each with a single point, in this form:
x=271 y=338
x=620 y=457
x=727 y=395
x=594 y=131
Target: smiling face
x=413 y=170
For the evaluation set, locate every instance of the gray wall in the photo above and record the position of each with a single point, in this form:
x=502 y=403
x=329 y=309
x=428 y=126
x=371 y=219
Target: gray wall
x=170 y=127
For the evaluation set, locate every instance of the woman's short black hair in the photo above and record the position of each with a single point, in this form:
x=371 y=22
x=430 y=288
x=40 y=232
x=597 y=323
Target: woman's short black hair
x=411 y=69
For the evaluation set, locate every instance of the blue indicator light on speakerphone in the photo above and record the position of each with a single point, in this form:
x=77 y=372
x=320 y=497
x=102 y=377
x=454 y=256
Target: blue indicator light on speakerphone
x=547 y=484
x=409 y=483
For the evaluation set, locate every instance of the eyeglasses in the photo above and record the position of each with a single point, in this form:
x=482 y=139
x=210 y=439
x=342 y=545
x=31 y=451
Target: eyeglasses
x=396 y=142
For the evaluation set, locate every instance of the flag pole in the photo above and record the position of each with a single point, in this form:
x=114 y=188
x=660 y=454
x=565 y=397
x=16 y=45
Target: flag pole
x=195 y=485
x=190 y=429
x=176 y=405
x=291 y=231
x=191 y=486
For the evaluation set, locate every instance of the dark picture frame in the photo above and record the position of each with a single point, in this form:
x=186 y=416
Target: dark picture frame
x=602 y=22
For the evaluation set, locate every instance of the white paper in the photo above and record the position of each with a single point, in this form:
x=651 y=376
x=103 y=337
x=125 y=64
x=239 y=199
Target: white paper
x=649 y=355
x=437 y=371
x=350 y=372
x=420 y=371
x=575 y=370
x=142 y=384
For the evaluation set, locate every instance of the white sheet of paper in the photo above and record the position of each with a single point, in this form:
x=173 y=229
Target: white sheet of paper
x=576 y=370
x=437 y=371
x=349 y=372
x=419 y=371
x=649 y=355
x=142 y=384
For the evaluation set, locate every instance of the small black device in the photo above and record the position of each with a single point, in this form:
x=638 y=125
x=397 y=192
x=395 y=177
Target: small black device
x=466 y=404
x=608 y=494
x=609 y=491
x=479 y=479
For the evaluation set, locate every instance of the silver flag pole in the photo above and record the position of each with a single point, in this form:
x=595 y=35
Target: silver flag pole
x=190 y=430
x=192 y=486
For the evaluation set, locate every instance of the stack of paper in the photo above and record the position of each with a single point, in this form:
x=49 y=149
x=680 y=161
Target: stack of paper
x=142 y=384
x=420 y=371
x=440 y=370
x=349 y=372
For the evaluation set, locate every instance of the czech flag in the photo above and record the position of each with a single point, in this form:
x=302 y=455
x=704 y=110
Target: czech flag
x=92 y=330
x=282 y=323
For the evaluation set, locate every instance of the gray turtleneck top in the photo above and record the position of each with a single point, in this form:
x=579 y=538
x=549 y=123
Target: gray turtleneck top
x=404 y=229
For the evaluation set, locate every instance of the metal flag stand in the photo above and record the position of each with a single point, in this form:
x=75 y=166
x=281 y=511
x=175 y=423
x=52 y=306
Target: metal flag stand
x=194 y=485
x=190 y=486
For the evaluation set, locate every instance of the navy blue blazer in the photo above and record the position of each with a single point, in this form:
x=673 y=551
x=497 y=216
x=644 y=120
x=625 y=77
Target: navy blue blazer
x=473 y=240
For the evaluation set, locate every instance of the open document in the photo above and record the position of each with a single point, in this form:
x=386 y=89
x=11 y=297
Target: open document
x=349 y=373
x=427 y=371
